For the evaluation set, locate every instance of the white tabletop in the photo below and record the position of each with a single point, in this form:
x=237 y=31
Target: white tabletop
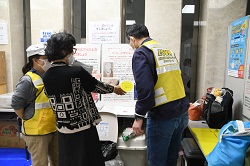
x=6 y=110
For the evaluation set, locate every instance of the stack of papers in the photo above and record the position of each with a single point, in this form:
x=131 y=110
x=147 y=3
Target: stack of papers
x=119 y=110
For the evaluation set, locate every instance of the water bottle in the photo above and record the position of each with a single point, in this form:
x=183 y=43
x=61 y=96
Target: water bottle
x=114 y=162
x=119 y=163
x=127 y=134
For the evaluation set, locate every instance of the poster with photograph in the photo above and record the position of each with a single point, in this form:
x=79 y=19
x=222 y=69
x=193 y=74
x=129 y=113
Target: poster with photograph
x=117 y=70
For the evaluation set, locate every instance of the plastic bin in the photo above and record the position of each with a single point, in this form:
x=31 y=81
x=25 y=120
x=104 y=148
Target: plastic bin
x=108 y=131
x=192 y=152
x=134 y=151
x=131 y=152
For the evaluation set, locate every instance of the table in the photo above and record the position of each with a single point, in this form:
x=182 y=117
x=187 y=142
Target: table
x=7 y=110
x=5 y=101
x=126 y=110
x=205 y=137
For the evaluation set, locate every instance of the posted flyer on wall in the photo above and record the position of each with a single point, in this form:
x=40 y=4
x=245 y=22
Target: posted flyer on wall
x=238 y=37
x=117 y=70
x=90 y=54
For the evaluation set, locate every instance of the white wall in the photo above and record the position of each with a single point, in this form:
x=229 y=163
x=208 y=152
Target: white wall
x=213 y=40
x=163 y=19
x=48 y=15
x=99 y=10
x=12 y=15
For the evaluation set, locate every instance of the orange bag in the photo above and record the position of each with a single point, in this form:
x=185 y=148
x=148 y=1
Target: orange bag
x=195 y=110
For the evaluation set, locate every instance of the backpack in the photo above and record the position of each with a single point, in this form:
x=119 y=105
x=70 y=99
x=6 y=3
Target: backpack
x=216 y=112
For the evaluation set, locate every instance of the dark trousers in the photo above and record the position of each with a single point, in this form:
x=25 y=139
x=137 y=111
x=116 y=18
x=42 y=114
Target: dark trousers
x=80 y=149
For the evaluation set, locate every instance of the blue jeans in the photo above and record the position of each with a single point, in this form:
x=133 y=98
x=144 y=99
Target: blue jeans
x=164 y=140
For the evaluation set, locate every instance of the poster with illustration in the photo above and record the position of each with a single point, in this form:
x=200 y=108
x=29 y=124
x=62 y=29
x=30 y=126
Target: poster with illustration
x=238 y=37
x=117 y=70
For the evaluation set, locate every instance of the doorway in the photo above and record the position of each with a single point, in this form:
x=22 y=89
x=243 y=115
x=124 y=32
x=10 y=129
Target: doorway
x=189 y=46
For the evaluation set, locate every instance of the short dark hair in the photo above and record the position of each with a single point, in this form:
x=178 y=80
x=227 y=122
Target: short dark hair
x=138 y=31
x=59 y=45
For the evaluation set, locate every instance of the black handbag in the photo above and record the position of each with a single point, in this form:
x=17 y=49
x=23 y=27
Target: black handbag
x=218 y=114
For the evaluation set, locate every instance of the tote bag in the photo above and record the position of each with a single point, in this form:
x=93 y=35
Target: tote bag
x=195 y=110
x=234 y=139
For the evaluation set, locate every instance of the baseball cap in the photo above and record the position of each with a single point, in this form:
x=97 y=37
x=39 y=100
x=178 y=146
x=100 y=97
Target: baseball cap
x=35 y=49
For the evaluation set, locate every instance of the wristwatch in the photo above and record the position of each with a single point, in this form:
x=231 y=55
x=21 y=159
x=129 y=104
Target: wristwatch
x=138 y=118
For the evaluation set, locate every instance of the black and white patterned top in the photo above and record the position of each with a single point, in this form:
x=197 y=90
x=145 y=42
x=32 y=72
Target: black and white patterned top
x=69 y=90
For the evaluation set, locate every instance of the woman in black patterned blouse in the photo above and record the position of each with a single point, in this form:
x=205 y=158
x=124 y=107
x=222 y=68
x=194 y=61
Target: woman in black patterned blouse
x=69 y=90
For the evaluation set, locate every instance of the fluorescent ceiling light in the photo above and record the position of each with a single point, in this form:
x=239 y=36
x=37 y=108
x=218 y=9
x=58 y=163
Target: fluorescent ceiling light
x=130 y=22
x=188 y=9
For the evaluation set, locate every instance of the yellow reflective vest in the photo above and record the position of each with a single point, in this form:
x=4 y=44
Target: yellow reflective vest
x=43 y=121
x=169 y=86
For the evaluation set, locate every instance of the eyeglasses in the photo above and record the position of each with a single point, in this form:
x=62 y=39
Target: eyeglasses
x=74 y=50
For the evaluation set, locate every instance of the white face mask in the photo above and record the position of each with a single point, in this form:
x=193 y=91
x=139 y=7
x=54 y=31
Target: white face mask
x=71 y=59
x=46 y=64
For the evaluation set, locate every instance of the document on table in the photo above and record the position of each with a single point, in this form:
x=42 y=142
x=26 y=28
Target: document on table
x=119 y=110
x=207 y=138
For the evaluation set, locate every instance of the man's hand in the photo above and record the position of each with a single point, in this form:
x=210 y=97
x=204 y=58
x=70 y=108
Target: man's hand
x=118 y=90
x=137 y=127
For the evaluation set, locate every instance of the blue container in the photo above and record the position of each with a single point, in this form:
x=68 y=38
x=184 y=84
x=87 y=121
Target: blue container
x=14 y=157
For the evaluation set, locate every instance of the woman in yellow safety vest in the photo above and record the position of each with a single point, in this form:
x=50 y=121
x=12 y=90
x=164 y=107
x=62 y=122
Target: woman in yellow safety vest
x=32 y=106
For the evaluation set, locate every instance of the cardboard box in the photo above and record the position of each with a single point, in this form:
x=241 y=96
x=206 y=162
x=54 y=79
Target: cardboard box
x=2 y=68
x=3 y=89
x=21 y=143
x=9 y=135
x=10 y=142
x=8 y=128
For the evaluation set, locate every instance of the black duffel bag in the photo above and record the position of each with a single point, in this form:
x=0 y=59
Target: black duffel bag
x=217 y=114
